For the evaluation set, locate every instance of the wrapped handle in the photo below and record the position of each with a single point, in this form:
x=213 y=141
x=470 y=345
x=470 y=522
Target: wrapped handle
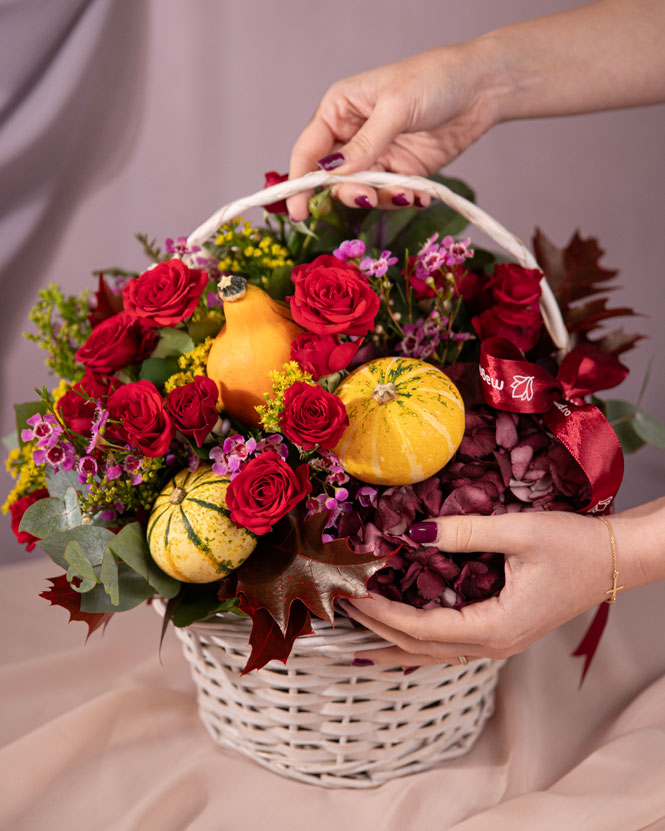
x=376 y=179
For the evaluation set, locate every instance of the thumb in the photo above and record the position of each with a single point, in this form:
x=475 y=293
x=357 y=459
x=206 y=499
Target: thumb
x=368 y=143
x=506 y=533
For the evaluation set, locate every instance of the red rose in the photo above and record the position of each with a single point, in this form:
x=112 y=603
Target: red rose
x=274 y=178
x=520 y=326
x=332 y=297
x=192 y=407
x=144 y=422
x=265 y=490
x=166 y=294
x=513 y=285
x=77 y=406
x=18 y=508
x=116 y=342
x=323 y=354
x=313 y=416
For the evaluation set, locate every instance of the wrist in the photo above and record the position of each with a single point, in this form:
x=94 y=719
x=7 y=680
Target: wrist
x=641 y=545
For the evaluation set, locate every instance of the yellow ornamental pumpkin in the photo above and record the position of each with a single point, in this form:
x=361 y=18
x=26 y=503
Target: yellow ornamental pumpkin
x=255 y=340
x=406 y=420
x=190 y=534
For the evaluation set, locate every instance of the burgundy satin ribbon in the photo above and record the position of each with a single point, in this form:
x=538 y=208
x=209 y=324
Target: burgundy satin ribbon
x=510 y=382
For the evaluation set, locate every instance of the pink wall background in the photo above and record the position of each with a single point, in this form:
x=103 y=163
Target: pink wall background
x=117 y=118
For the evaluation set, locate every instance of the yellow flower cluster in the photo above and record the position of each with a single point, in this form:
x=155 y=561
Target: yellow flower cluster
x=191 y=364
x=30 y=477
x=281 y=381
x=248 y=250
x=60 y=391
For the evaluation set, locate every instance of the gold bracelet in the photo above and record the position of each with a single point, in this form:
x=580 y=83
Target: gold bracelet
x=615 y=573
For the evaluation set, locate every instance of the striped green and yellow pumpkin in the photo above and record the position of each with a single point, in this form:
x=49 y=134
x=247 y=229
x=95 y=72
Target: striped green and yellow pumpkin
x=406 y=420
x=190 y=533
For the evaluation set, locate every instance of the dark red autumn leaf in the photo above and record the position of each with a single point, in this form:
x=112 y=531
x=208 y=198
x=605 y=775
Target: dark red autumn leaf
x=617 y=341
x=60 y=593
x=574 y=273
x=267 y=640
x=292 y=563
x=108 y=303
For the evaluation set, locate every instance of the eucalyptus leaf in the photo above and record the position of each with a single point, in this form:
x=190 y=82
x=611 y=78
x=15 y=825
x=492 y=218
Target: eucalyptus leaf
x=131 y=547
x=158 y=370
x=58 y=483
x=620 y=415
x=78 y=584
x=108 y=574
x=172 y=343
x=24 y=412
x=92 y=538
x=132 y=591
x=650 y=429
x=76 y=557
x=11 y=441
x=52 y=515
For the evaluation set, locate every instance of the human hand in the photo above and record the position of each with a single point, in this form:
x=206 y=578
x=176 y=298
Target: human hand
x=557 y=566
x=410 y=117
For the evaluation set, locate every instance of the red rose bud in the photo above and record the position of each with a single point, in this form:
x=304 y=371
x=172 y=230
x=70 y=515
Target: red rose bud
x=192 y=408
x=116 y=342
x=274 y=178
x=265 y=490
x=166 y=294
x=17 y=509
x=322 y=355
x=521 y=326
x=332 y=297
x=77 y=407
x=313 y=416
x=144 y=422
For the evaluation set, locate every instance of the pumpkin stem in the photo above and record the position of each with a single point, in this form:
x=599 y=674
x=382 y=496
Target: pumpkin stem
x=383 y=393
x=177 y=496
x=232 y=287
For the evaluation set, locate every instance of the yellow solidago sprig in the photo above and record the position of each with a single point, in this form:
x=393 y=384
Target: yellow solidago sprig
x=282 y=379
x=29 y=476
x=191 y=364
x=62 y=326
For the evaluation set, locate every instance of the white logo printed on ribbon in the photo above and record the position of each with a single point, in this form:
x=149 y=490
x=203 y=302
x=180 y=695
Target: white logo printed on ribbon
x=522 y=387
x=601 y=506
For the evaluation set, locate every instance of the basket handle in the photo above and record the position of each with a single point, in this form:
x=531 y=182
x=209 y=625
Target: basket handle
x=377 y=179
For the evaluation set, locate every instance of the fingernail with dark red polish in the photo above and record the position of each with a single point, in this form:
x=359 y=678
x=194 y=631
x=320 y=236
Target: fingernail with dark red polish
x=424 y=532
x=332 y=161
x=417 y=202
x=362 y=202
x=400 y=199
x=362 y=662
x=409 y=670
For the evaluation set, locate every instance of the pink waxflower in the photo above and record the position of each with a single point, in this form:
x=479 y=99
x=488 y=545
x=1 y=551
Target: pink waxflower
x=379 y=266
x=350 y=249
x=45 y=429
x=87 y=466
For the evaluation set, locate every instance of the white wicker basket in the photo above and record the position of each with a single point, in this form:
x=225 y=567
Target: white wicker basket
x=320 y=719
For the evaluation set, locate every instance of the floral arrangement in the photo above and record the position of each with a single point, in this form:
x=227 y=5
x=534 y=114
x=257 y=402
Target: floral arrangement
x=251 y=426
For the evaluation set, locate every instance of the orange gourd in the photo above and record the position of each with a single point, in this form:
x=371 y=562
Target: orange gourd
x=255 y=340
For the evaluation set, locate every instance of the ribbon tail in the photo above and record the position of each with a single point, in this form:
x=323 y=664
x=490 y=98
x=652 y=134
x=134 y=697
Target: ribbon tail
x=589 y=643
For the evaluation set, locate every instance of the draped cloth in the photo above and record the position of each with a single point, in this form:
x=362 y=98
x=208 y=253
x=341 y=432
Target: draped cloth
x=101 y=737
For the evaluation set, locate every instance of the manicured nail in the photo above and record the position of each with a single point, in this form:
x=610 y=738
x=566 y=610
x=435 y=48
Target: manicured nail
x=417 y=201
x=362 y=202
x=424 y=532
x=362 y=662
x=409 y=670
x=400 y=199
x=332 y=161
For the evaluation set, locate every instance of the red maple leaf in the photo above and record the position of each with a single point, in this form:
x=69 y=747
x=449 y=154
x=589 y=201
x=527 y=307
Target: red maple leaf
x=291 y=573
x=60 y=593
x=108 y=303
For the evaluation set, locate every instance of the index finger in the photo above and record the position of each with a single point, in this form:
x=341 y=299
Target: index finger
x=471 y=624
x=315 y=142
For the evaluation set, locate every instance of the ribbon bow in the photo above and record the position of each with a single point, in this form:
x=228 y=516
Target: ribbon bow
x=510 y=382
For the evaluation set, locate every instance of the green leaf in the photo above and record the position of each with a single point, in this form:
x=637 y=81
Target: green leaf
x=92 y=538
x=50 y=516
x=198 y=602
x=132 y=590
x=158 y=370
x=11 y=441
x=84 y=585
x=650 y=429
x=172 y=343
x=24 y=412
x=279 y=283
x=76 y=557
x=130 y=545
x=645 y=382
x=108 y=574
x=59 y=483
x=380 y=228
x=199 y=330
x=620 y=415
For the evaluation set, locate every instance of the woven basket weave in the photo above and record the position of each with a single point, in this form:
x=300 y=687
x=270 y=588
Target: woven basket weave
x=319 y=719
